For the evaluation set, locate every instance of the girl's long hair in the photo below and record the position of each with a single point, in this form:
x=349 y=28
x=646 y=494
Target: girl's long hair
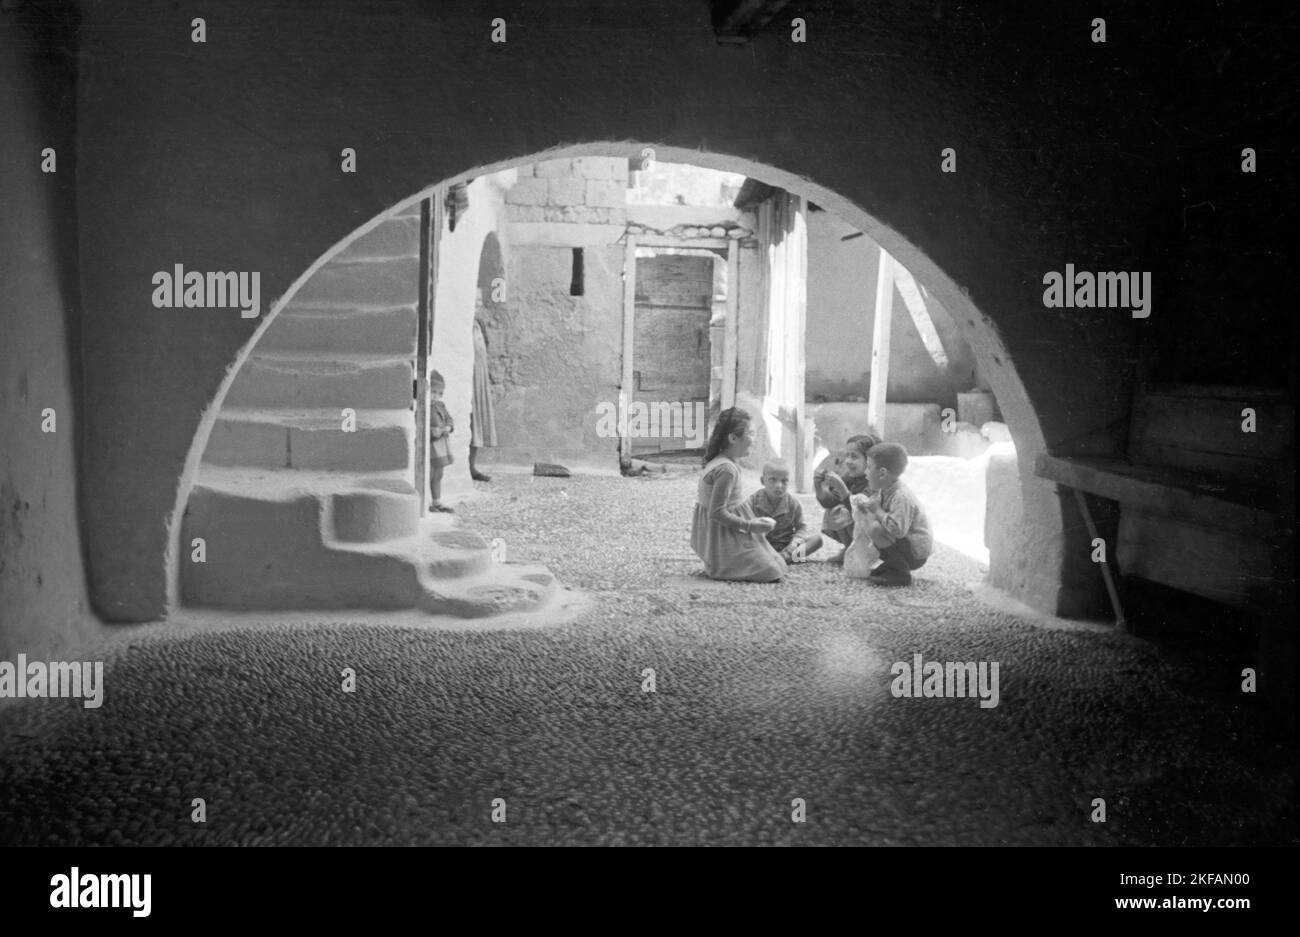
x=730 y=421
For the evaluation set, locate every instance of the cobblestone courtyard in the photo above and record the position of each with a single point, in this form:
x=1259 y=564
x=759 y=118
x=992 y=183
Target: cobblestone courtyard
x=764 y=694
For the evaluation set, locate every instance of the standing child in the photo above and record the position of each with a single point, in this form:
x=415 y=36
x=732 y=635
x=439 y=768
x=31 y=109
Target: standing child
x=440 y=427
x=834 y=489
x=897 y=523
x=790 y=536
x=725 y=534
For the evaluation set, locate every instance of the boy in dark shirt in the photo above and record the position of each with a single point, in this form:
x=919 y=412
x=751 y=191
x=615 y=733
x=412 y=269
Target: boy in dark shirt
x=790 y=536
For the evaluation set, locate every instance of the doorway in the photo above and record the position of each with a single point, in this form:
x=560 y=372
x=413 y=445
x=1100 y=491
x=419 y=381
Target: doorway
x=672 y=354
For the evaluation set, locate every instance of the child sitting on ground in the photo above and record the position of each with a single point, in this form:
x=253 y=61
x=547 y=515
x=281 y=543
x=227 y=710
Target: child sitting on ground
x=440 y=427
x=725 y=534
x=790 y=535
x=834 y=487
x=897 y=524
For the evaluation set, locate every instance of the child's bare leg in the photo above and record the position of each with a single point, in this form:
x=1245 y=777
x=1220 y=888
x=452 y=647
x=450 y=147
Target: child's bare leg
x=833 y=536
x=435 y=488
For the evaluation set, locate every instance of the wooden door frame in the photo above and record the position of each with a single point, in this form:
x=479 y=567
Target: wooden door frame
x=712 y=246
x=431 y=213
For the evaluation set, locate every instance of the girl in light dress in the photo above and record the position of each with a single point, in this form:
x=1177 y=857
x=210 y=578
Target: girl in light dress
x=725 y=532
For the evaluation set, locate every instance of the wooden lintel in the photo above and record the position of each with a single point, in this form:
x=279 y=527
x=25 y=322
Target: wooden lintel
x=664 y=240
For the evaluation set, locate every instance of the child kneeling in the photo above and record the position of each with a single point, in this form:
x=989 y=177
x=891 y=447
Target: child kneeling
x=896 y=522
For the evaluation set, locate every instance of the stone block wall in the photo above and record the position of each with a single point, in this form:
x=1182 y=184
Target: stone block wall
x=554 y=357
x=585 y=190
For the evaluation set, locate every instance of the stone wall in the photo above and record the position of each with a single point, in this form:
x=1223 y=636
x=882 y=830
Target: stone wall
x=585 y=190
x=556 y=357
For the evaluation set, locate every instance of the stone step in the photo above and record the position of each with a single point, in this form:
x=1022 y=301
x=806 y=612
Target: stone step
x=301 y=540
x=267 y=550
x=391 y=238
x=500 y=590
x=312 y=439
x=367 y=284
x=362 y=508
x=301 y=328
x=439 y=553
x=300 y=381
x=286 y=484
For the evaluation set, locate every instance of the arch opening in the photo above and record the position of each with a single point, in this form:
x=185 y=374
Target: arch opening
x=478 y=245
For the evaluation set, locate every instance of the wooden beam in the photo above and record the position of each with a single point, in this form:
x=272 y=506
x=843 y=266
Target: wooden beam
x=797 y=323
x=430 y=230
x=1217 y=564
x=1082 y=502
x=664 y=240
x=737 y=21
x=916 y=308
x=629 y=323
x=1166 y=492
x=759 y=384
x=731 y=332
x=880 y=343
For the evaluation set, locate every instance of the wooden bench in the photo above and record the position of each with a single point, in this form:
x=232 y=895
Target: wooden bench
x=1204 y=506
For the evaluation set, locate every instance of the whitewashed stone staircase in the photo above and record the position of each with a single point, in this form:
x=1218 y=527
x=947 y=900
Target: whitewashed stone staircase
x=295 y=512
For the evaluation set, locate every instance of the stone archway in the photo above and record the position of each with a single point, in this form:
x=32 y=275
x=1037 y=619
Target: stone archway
x=263 y=187
x=1035 y=572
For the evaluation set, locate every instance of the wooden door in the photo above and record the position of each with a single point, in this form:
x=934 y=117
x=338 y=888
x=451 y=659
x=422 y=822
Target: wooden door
x=671 y=358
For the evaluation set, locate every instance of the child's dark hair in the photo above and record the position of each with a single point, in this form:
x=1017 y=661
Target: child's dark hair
x=863 y=443
x=889 y=455
x=437 y=380
x=730 y=421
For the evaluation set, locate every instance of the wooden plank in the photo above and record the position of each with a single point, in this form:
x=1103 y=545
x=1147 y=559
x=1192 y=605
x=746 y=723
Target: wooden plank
x=880 y=344
x=663 y=240
x=797 y=328
x=1272 y=394
x=1106 y=576
x=1213 y=425
x=430 y=213
x=629 y=322
x=1216 y=564
x=1160 y=491
x=916 y=308
x=731 y=332
x=762 y=321
x=1232 y=470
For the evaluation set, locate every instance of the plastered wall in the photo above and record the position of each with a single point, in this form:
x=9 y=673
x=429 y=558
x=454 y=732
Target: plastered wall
x=226 y=155
x=43 y=602
x=841 y=316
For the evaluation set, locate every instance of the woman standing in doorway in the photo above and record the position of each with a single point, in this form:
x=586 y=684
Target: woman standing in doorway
x=482 y=420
